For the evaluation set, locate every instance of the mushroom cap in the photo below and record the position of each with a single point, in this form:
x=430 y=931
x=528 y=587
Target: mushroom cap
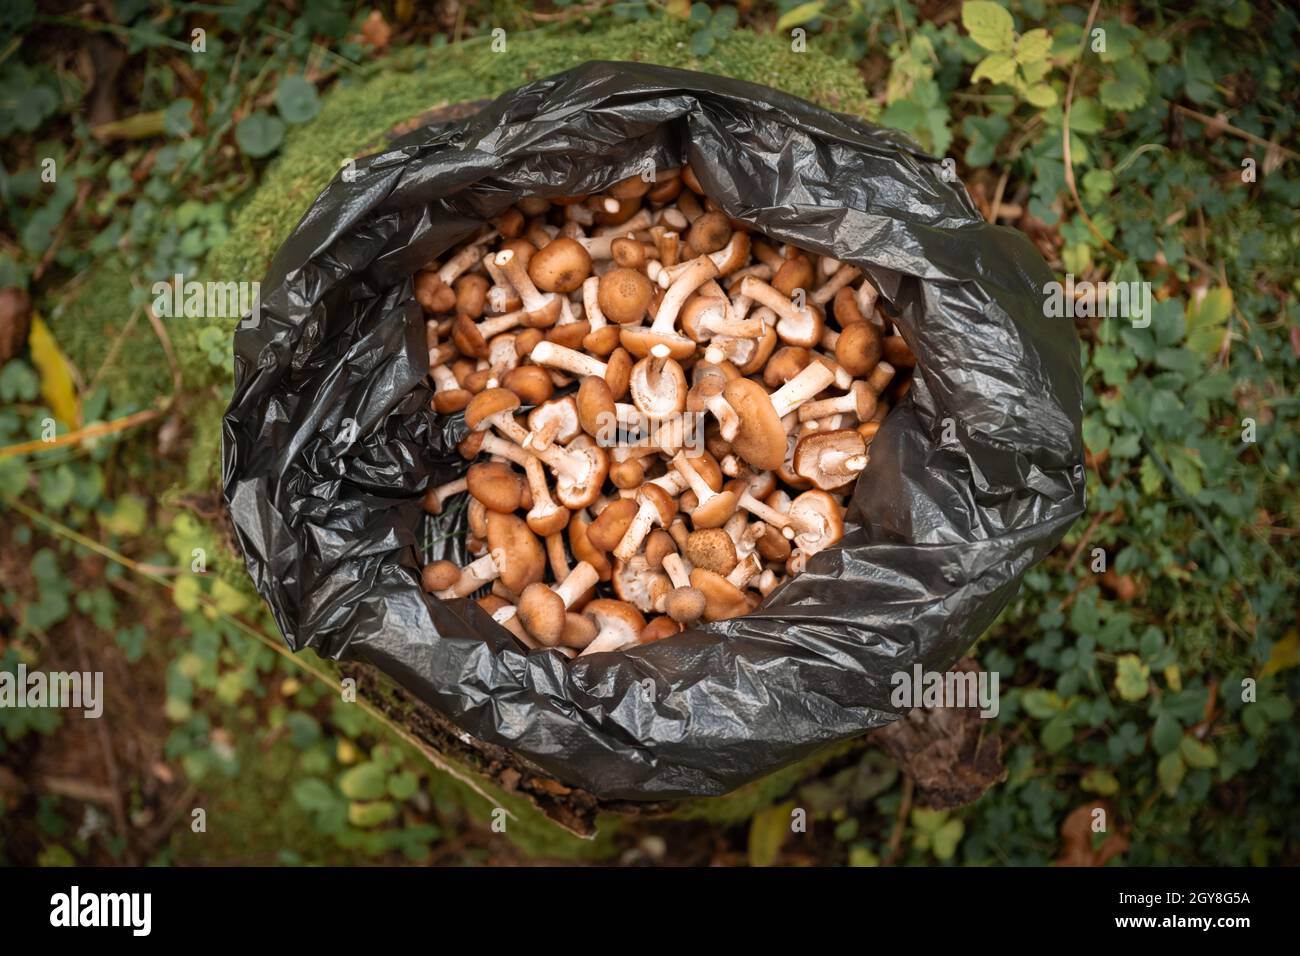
x=450 y=401
x=685 y=605
x=640 y=340
x=820 y=456
x=518 y=552
x=785 y=363
x=760 y=439
x=541 y=611
x=711 y=549
x=795 y=273
x=569 y=334
x=631 y=188
x=822 y=512
x=722 y=599
x=563 y=410
x=583 y=549
x=434 y=295
x=560 y=266
x=664 y=503
x=608 y=528
x=439 y=575
x=618 y=373
x=624 y=295
x=487 y=403
x=575 y=494
x=661 y=396
x=639 y=584
x=658 y=545
x=596 y=411
x=773 y=545
x=697 y=310
x=467 y=338
x=579 y=631
x=496 y=485
x=709 y=233
x=627 y=253
x=544 y=521
x=659 y=628
x=858 y=349
x=714 y=512
x=845 y=308
x=471 y=294
x=617 y=616
x=531 y=383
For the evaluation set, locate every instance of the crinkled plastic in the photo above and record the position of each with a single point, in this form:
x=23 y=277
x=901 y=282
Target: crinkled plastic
x=976 y=475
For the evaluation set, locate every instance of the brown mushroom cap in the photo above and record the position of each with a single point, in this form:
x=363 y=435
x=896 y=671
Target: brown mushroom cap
x=897 y=352
x=639 y=584
x=624 y=295
x=658 y=388
x=821 y=457
x=658 y=545
x=541 y=611
x=785 y=363
x=796 y=273
x=859 y=348
x=722 y=599
x=627 y=252
x=496 y=485
x=760 y=439
x=818 y=511
x=596 y=412
x=659 y=628
x=471 y=294
x=519 y=553
x=663 y=502
x=487 y=403
x=583 y=549
x=439 y=575
x=579 y=631
x=715 y=511
x=605 y=532
x=686 y=605
x=531 y=383
x=561 y=266
x=618 y=616
x=711 y=549
x=434 y=295
x=709 y=233
x=630 y=188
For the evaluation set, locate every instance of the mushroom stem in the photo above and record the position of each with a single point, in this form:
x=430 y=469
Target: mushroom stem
x=766 y=513
x=505 y=423
x=492 y=445
x=761 y=292
x=515 y=271
x=728 y=421
x=473 y=576
x=591 y=304
x=555 y=555
x=802 y=387
x=748 y=569
x=462 y=261
x=646 y=517
x=567 y=359
x=676 y=569
x=581 y=579
x=839 y=278
x=697 y=272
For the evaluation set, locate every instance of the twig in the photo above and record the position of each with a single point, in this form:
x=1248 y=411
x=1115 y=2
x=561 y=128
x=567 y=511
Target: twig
x=81 y=434
x=900 y=823
x=1235 y=131
x=1065 y=138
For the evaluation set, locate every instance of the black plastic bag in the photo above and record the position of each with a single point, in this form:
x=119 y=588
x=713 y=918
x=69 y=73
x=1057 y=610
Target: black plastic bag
x=975 y=476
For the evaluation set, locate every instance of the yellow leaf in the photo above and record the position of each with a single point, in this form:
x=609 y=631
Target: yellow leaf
x=1285 y=654
x=767 y=832
x=57 y=387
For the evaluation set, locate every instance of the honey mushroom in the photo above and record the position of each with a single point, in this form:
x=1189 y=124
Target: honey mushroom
x=568 y=350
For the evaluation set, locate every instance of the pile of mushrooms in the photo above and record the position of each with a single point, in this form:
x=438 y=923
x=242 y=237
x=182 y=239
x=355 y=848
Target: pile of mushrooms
x=666 y=412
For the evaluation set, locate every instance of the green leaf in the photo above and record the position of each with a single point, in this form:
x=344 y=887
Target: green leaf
x=767 y=832
x=799 y=15
x=1198 y=755
x=1100 y=782
x=989 y=25
x=128 y=518
x=1041 y=95
x=702 y=42
x=1132 y=677
x=1207 y=321
x=367 y=815
x=944 y=840
x=403 y=785
x=1170 y=771
x=1033 y=46
x=1166 y=734
x=1057 y=733
x=259 y=134
x=296 y=99
x=996 y=68
x=365 y=781
x=177 y=120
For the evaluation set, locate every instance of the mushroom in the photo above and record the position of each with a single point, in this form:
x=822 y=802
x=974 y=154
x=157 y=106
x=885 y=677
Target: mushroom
x=439 y=575
x=435 y=498
x=897 y=352
x=706 y=395
x=542 y=309
x=639 y=341
x=602 y=337
x=818 y=520
x=545 y=517
x=448 y=396
x=542 y=608
x=596 y=412
x=858 y=348
x=712 y=549
x=616 y=372
x=684 y=603
x=579 y=631
x=636 y=582
x=582 y=548
x=830 y=459
x=607 y=530
x=618 y=624
x=761 y=438
x=766 y=513
x=793 y=274
x=496 y=485
x=530 y=383
x=706 y=315
x=658 y=385
x=654 y=507
x=658 y=628
x=514 y=555
x=553 y=421
x=722 y=599
x=797 y=326
x=838 y=279
x=713 y=507
x=859 y=400
x=624 y=295
x=709 y=233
